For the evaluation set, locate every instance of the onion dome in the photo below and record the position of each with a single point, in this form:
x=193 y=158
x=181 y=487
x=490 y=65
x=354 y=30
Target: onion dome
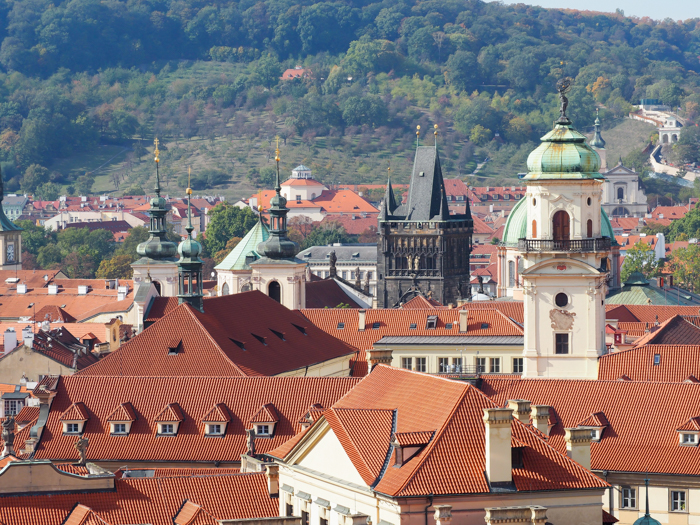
x=563 y=155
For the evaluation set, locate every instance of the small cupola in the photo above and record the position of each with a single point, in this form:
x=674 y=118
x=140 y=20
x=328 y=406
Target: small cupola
x=216 y=420
x=121 y=419
x=688 y=432
x=264 y=421
x=408 y=444
x=74 y=419
x=169 y=420
x=597 y=423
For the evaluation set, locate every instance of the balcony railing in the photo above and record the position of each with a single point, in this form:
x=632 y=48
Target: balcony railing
x=601 y=244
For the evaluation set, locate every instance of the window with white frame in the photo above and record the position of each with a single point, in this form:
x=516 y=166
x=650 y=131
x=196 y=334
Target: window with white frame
x=13 y=406
x=72 y=428
x=443 y=365
x=421 y=364
x=495 y=367
x=628 y=498
x=407 y=363
x=457 y=364
x=166 y=428
x=480 y=365
x=689 y=439
x=214 y=429
x=119 y=428
x=678 y=501
x=262 y=430
x=518 y=365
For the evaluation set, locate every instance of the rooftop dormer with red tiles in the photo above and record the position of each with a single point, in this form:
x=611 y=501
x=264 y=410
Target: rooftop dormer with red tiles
x=74 y=419
x=121 y=419
x=169 y=419
x=216 y=421
x=264 y=420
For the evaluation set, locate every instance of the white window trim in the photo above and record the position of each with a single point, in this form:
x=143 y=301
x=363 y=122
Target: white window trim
x=685 y=501
x=270 y=429
x=81 y=426
x=636 y=498
x=175 y=425
x=113 y=424
x=681 y=436
x=220 y=424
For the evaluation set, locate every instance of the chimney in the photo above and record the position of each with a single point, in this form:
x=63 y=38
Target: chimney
x=376 y=356
x=361 y=320
x=443 y=514
x=82 y=290
x=521 y=409
x=28 y=336
x=531 y=515
x=53 y=289
x=498 y=450
x=540 y=418
x=578 y=445
x=273 y=479
x=21 y=288
x=10 y=340
x=463 y=325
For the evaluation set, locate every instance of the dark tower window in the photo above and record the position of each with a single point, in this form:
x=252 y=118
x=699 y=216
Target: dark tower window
x=274 y=291
x=157 y=285
x=620 y=193
x=561 y=300
x=511 y=274
x=560 y=224
x=589 y=229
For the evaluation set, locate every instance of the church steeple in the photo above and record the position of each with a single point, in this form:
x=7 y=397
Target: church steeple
x=278 y=246
x=190 y=265
x=389 y=202
x=597 y=141
x=157 y=247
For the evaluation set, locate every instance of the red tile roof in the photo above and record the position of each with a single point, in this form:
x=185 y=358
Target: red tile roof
x=266 y=414
x=647 y=313
x=195 y=397
x=244 y=334
x=354 y=223
x=594 y=420
x=53 y=314
x=27 y=415
x=421 y=303
x=327 y=293
x=170 y=413
x=692 y=424
x=676 y=363
x=673 y=331
x=75 y=412
x=148 y=500
x=412 y=439
x=480 y=227
x=449 y=464
x=218 y=414
x=344 y=201
x=670 y=212
x=635 y=441
x=124 y=412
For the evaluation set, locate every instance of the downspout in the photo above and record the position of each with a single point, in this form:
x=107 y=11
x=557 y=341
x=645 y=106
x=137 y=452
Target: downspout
x=427 y=507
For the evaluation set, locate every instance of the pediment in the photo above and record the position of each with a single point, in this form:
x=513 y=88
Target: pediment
x=561 y=267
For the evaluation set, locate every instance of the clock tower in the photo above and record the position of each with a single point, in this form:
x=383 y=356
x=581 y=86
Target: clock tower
x=10 y=239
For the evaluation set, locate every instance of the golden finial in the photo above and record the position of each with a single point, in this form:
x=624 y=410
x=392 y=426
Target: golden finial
x=189 y=180
x=436 y=128
x=277 y=150
x=260 y=208
x=156 y=152
x=418 y=130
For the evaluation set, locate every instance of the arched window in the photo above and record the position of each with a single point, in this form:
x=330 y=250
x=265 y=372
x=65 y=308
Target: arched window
x=589 y=229
x=511 y=274
x=224 y=289
x=274 y=291
x=534 y=229
x=664 y=139
x=560 y=223
x=620 y=193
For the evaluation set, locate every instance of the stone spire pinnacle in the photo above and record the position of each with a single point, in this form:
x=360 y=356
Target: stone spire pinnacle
x=597 y=141
x=190 y=265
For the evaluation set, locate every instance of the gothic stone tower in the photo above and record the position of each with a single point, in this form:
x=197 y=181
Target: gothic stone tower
x=422 y=249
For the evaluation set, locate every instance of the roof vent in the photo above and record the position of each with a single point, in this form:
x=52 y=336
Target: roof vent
x=261 y=339
x=53 y=289
x=21 y=288
x=83 y=289
x=238 y=344
x=431 y=323
x=448 y=326
x=375 y=326
x=341 y=326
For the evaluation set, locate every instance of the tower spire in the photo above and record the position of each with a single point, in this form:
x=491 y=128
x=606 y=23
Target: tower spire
x=597 y=141
x=156 y=154
x=190 y=265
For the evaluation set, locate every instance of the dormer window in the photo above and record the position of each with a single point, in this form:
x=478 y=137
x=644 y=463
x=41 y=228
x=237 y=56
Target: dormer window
x=431 y=323
x=689 y=439
x=169 y=420
x=72 y=428
x=262 y=430
x=121 y=419
x=214 y=429
x=657 y=359
x=74 y=419
x=118 y=428
x=264 y=420
x=166 y=429
x=216 y=420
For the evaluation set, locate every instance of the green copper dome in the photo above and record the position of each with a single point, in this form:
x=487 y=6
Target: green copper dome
x=516 y=225
x=563 y=155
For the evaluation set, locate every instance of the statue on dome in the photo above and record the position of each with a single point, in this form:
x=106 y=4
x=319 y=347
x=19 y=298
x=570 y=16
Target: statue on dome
x=563 y=86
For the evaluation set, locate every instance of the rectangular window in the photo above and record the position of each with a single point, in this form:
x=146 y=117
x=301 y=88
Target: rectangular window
x=263 y=430
x=628 y=498
x=72 y=428
x=167 y=428
x=495 y=365
x=304 y=518
x=678 y=500
x=421 y=364
x=517 y=365
x=561 y=344
x=289 y=509
x=13 y=406
x=298 y=198
x=457 y=364
x=443 y=365
x=352 y=275
x=657 y=359
x=214 y=429
x=369 y=275
x=120 y=428
x=407 y=363
x=480 y=365
x=688 y=439
x=344 y=273
x=323 y=521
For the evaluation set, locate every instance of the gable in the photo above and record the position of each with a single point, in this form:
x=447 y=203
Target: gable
x=328 y=456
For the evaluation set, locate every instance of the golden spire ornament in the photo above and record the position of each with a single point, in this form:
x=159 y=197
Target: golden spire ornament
x=417 y=135
x=156 y=152
x=189 y=180
x=435 y=133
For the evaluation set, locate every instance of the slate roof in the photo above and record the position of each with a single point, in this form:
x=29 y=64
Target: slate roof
x=634 y=441
x=367 y=417
x=649 y=293
x=676 y=363
x=245 y=334
x=241 y=397
x=154 y=500
x=346 y=253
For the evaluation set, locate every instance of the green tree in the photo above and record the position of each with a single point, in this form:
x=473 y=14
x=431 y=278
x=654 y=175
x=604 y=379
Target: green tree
x=117 y=267
x=136 y=236
x=639 y=258
x=83 y=184
x=49 y=191
x=462 y=70
x=266 y=72
x=689 y=224
x=225 y=222
x=480 y=135
x=369 y=109
x=35 y=237
x=328 y=233
x=34 y=176
x=685 y=265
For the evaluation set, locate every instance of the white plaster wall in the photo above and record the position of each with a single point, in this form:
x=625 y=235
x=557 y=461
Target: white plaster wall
x=329 y=457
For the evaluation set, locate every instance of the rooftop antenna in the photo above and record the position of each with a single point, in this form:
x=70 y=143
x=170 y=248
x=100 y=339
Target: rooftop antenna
x=417 y=136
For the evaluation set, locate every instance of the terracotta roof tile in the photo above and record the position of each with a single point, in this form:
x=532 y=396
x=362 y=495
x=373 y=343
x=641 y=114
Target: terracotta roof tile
x=673 y=331
x=218 y=414
x=449 y=464
x=266 y=414
x=82 y=515
x=195 y=397
x=327 y=293
x=244 y=334
x=27 y=415
x=692 y=424
x=421 y=303
x=676 y=363
x=170 y=413
x=124 y=412
x=193 y=514
x=354 y=223
x=53 y=314
x=594 y=420
x=149 y=500
x=647 y=313
x=632 y=443
x=408 y=439
x=75 y=412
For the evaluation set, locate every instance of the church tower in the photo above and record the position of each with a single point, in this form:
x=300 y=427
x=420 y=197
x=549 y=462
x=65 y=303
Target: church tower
x=422 y=249
x=565 y=245
x=158 y=262
x=10 y=238
x=598 y=144
x=278 y=273
x=190 y=285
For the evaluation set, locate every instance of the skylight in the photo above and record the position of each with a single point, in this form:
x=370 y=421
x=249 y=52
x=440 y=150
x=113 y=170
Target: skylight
x=375 y=326
x=341 y=326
